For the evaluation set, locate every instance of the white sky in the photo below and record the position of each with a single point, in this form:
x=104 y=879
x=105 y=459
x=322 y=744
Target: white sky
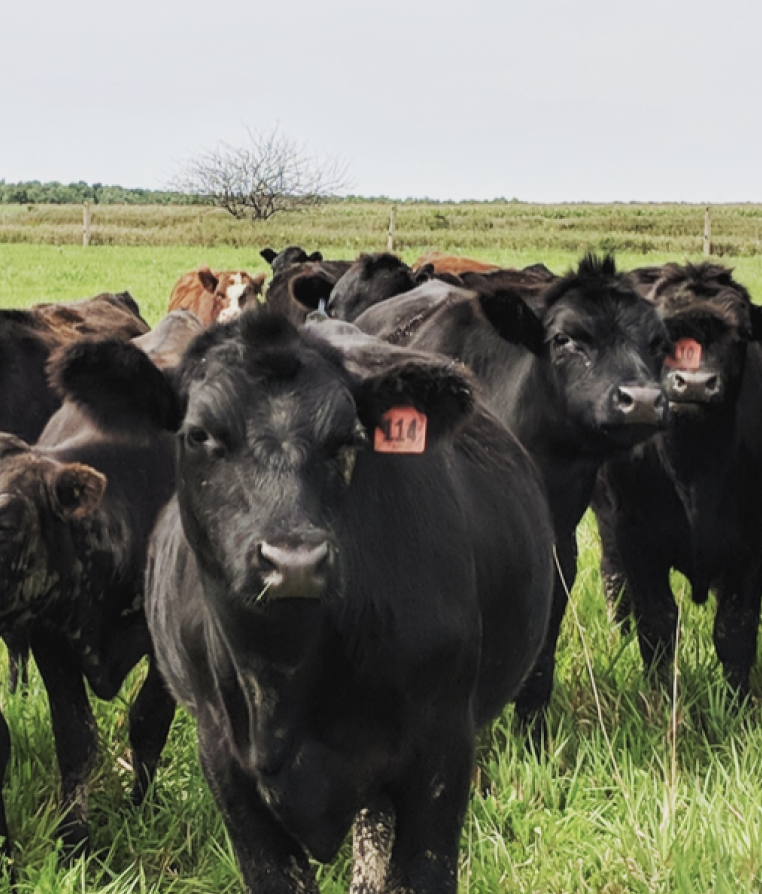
x=542 y=100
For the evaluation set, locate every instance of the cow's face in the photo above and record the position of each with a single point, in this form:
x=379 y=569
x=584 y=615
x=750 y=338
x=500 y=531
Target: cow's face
x=236 y=291
x=605 y=350
x=259 y=459
x=275 y=425
x=710 y=336
x=38 y=496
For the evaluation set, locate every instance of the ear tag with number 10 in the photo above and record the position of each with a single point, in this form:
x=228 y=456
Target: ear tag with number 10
x=402 y=430
x=687 y=355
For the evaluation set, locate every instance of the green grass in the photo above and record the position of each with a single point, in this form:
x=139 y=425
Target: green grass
x=613 y=803
x=630 y=793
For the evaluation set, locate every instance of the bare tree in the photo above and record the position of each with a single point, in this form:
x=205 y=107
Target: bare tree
x=269 y=173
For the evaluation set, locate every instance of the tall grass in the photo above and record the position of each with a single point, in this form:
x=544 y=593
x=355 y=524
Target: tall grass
x=633 y=791
x=347 y=227
x=607 y=805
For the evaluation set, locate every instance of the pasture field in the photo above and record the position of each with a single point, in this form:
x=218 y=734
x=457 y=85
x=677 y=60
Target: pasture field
x=634 y=792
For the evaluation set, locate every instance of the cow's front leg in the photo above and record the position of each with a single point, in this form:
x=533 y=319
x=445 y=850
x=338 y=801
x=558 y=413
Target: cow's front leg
x=735 y=631
x=75 y=733
x=430 y=806
x=150 y=719
x=372 y=840
x=271 y=862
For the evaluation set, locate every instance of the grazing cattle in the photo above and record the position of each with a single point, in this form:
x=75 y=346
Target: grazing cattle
x=691 y=497
x=369 y=280
x=356 y=574
x=300 y=288
x=75 y=514
x=280 y=261
x=575 y=377
x=212 y=295
x=27 y=338
x=439 y=262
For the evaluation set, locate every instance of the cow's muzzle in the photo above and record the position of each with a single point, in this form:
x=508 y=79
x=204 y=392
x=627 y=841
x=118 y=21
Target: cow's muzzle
x=692 y=386
x=293 y=571
x=640 y=404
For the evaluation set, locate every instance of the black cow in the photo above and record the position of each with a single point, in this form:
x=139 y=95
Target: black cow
x=372 y=278
x=361 y=578
x=75 y=514
x=575 y=377
x=293 y=254
x=27 y=340
x=691 y=498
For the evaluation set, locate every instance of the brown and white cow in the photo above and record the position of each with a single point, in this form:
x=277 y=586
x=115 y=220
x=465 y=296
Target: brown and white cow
x=215 y=294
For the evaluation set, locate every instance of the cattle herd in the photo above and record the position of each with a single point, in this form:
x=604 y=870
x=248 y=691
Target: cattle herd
x=338 y=520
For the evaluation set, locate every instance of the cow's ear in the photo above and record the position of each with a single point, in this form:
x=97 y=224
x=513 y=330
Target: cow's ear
x=76 y=490
x=316 y=256
x=269 y=255
x=755 y=316
x=442 y=391
x=513 y=320
x=423 y=274
x=258 y=282
x=208 y=279
x=310 y=289
x=116 y=383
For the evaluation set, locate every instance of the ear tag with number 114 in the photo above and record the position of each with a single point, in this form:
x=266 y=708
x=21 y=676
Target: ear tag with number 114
x=402 y=430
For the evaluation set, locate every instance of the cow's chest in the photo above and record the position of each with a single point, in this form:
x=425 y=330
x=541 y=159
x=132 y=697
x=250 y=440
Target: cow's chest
x=316 y=778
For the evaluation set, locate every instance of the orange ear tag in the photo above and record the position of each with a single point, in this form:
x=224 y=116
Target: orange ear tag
x=687 y=355
x=402 y=430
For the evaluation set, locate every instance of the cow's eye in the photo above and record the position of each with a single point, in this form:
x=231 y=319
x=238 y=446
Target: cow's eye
x=562 y=341
x=196 y=436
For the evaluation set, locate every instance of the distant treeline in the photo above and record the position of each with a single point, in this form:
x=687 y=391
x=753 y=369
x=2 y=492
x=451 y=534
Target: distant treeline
x=35 y=193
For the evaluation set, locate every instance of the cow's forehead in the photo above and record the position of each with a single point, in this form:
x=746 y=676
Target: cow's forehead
x=726 y=306
x=624 y=311
x=307 y=393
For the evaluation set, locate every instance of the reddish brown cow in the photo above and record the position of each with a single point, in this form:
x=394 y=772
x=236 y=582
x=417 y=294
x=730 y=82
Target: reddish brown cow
x=215 y=294
x=442 y=263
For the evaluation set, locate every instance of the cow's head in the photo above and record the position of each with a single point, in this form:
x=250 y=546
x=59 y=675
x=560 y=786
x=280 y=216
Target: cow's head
x=372 y=278
x=38 y=497
x=604 y=346
x=711 y=320
x=291 y=255
x=236 y=290
x=279 y=424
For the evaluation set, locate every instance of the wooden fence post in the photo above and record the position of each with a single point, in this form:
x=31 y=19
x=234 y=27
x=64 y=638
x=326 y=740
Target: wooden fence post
x=708 y=231
x=390 y=239
x=85 y=224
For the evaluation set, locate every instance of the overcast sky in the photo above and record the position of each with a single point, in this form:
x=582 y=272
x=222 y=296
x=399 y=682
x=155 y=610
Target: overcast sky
x=542 y=100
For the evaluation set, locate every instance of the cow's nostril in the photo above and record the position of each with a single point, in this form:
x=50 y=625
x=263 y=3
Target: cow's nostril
x=624 y=398
x=678 y=383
